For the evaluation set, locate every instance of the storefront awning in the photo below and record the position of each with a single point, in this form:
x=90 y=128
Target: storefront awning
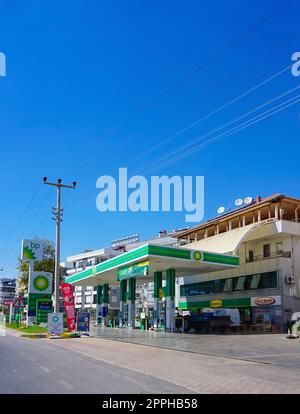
x=150 y=258
x=227 y=242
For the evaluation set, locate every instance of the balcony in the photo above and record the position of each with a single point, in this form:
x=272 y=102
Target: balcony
x=272 y=255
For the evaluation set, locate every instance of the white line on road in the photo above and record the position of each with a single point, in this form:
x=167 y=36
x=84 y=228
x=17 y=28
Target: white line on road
x=270 y=355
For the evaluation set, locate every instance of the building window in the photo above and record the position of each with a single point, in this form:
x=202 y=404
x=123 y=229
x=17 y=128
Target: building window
x=251 y=256
x=254 y=283
x=240 y=283
x=279 y=247
x=236 y=284
x=227 y=285
x=266 y=249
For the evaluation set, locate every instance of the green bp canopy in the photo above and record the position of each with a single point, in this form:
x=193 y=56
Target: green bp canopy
x=149 y=258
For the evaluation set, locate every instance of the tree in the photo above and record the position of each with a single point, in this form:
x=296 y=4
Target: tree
x=46 y=265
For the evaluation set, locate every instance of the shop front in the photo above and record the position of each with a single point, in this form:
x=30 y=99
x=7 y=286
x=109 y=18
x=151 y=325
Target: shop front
x=257 y=314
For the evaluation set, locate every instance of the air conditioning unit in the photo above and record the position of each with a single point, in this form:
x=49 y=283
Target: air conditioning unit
x=290 y=280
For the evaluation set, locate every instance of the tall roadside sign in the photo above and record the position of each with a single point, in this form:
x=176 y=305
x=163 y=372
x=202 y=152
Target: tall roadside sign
x=69 y=304
x=40 y=284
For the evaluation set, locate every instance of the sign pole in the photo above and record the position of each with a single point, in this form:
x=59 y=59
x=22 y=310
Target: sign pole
x=58 y=213
x=30 y=319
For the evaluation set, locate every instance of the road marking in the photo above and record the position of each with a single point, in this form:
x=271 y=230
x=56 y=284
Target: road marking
x=271 y=355
x=45 y=369
x=32 y=359
x=66 y=385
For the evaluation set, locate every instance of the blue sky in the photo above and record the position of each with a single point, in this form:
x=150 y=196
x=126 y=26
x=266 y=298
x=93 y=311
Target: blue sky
x=92 y=86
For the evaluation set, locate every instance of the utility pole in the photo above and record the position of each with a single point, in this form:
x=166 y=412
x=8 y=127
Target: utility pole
x=58 y=213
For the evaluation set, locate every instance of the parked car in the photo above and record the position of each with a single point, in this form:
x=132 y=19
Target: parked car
x=211 y=320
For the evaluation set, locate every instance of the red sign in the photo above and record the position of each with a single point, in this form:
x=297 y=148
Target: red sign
x=8 y=302
x=269 y=300
x=69 y=304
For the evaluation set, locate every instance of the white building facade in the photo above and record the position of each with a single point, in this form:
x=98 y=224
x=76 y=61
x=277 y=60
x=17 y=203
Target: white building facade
x=266 y=285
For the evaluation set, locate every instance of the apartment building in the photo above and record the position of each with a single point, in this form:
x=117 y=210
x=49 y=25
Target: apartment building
x=86 y=296
x=7 y=291
x=265 y=234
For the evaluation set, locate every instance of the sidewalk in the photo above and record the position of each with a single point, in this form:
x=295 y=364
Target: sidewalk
x=263 y=348
x=193 y=371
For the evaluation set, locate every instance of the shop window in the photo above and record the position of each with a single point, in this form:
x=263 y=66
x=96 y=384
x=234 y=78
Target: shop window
x=255 y=279
x=268 y=280
x=240 y=283
x=227 y=285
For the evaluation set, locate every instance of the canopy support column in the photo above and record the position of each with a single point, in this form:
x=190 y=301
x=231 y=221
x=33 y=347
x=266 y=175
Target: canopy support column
x=123 y=299
x=105 y=303
x=99 y=304
x=170 y=300
x=131 y=302
x=157 y=287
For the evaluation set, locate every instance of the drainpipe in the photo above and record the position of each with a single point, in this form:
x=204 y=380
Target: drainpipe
x=276 y=212
x=296 y=214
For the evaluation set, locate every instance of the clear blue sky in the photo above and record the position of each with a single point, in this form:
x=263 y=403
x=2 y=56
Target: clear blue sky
x=123 y=76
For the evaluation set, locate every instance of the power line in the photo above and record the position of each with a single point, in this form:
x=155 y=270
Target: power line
x=238 y=128
x=219 y=109
x=178 y=83
x=212 y=58
x=229 y=46
x=192 y=143
x=5 y=245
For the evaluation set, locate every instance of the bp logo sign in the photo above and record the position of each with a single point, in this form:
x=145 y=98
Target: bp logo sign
x=41 y=282
x=196 y=256
x=32 y=250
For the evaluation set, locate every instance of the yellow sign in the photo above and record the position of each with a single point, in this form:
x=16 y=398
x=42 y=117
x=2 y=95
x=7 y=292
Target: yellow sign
x=216 y=304
x=161 y=293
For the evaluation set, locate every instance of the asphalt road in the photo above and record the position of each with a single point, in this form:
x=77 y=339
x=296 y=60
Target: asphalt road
x=30 y=366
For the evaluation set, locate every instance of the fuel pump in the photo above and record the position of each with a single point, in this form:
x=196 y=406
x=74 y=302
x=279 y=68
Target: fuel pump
x=162 y=315
x=125 y=315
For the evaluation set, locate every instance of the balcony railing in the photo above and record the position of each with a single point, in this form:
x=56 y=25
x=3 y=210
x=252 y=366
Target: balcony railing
x=272 y=255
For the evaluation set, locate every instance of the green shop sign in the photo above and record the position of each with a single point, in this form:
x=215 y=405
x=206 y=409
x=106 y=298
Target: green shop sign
x=33 y=298
x=225 y=303
x=136 y=270
x=43 y=307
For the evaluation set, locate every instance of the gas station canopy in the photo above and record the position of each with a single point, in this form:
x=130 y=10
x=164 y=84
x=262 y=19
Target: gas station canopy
x=149 y=258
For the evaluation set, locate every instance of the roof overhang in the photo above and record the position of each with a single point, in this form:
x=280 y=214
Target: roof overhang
x=157 y=258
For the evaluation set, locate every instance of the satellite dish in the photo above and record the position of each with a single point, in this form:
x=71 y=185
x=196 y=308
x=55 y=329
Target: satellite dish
x=221 y=210
x=238 y=202
x=248 y=200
